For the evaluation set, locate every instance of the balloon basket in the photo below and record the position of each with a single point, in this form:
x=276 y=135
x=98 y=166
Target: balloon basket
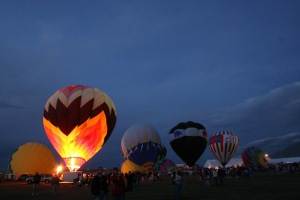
x=74 y=163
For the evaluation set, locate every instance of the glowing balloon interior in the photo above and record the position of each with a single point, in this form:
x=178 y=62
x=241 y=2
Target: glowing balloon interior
x=78 y=120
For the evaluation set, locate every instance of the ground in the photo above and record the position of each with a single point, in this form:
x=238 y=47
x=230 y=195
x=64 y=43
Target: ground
x=259 y=186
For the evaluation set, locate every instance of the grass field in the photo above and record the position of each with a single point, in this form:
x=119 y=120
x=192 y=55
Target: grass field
x=260 y=186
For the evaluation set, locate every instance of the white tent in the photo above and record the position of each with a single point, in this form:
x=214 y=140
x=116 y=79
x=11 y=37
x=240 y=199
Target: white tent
x=284 y=160
x=215 y=163
x=239 y=162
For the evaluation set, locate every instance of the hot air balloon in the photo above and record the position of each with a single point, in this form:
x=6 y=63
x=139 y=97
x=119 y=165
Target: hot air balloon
x=127 y=166
x=223 y=145
x=141 y=145
x=78 y=120
x=162 y=154
x=189 y=141
x=164 y=165
x=254 y=156
x=33 y=157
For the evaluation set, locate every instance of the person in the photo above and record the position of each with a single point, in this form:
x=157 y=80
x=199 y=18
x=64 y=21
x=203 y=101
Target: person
x=76 y=180
x=36 y=184
x=173 y=175
x=118 y=185
x=138 y=178
x=215 y=176
x=207 y=179
x=221 y=174
x=129 y=178
x=54 y=184
x=246 y=172
x=99 y=186
x=133 y=175
x=178 y=184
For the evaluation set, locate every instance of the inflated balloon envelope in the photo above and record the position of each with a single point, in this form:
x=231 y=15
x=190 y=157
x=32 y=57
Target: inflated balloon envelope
x=189 y=141
x=141 y=145
x=78 y=120
x=164 y=165
x=32 y=157
x=223 y=145
x=253 y=156
x=127 y=166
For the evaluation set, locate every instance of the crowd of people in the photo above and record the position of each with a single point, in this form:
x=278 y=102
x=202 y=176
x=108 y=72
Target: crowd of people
x=118 y=184
x=216 y=175
x=121 y=183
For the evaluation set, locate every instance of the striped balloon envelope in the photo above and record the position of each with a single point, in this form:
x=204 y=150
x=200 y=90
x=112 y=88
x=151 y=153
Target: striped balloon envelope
x=78 y=120
x=223 y=145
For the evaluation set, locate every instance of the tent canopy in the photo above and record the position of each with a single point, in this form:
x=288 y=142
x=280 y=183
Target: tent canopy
x=215 y=163
x=284 y=160
x=239 y=162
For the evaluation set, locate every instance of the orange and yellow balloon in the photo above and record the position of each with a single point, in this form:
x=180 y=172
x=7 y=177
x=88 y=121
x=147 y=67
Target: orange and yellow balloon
x=32 y=157
x=78 y=120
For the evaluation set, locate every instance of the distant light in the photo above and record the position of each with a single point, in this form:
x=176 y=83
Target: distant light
x=266 y=155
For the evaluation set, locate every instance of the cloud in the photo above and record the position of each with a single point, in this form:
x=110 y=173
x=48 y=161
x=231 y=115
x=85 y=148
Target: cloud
x=6 y=105
x=278 y=111
x=280 y=141
x=270 y=121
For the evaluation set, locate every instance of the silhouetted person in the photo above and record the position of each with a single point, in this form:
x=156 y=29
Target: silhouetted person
x=118 y=185
x=36 y=184
x=54 y=184
x=129 y=178
x=178 y=184
x=99 y=187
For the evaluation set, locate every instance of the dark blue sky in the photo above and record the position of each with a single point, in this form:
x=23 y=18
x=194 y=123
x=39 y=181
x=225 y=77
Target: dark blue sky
x=229 y=65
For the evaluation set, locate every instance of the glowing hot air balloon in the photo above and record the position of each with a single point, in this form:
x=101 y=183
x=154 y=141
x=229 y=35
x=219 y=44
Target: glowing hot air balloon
x=223 y=145
x=78 y=120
